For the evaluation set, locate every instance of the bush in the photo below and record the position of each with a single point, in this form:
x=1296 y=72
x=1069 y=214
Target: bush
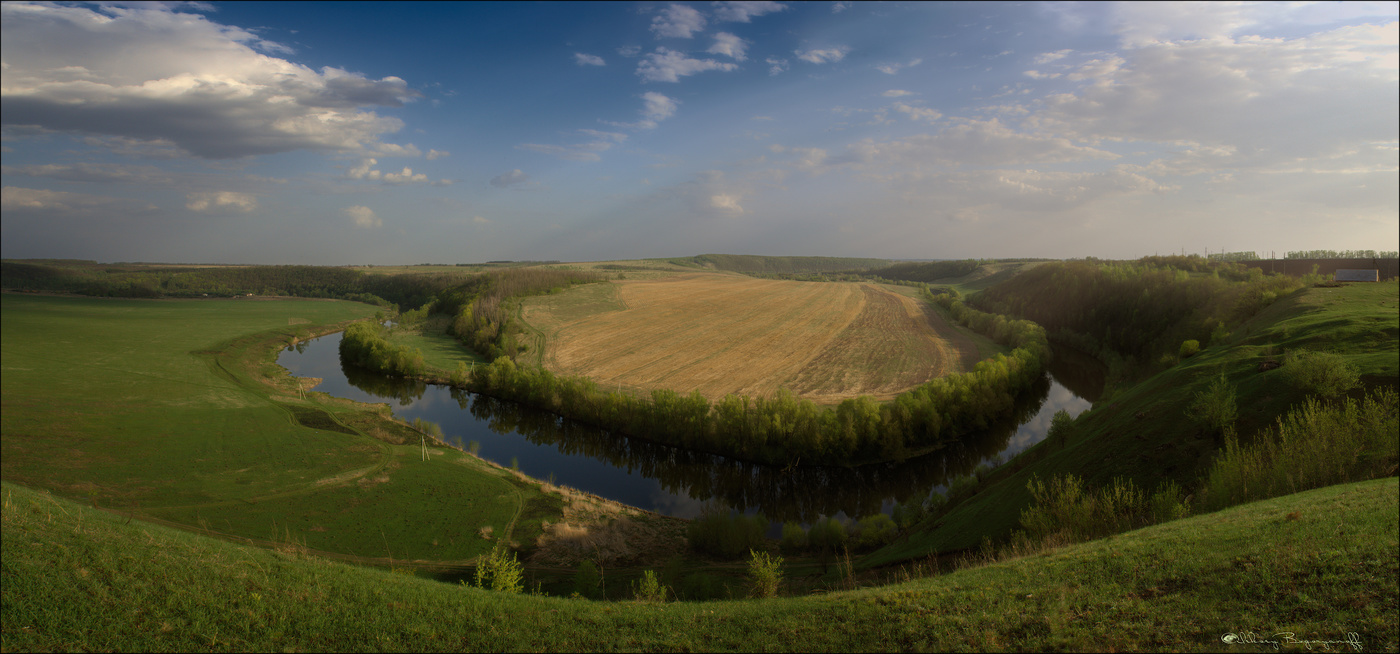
x=765 y=574
x=650 y=589
x=1215 y=407
x=1066 y=511
x=1315 y=445
x=1060 y=426
x=875 y=531
x=794 y=537
x=588 y=581
x=1320 y=373
x=500 y=571
x=1189 y=348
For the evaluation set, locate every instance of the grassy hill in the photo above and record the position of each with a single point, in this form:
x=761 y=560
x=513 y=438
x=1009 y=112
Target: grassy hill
x=1317 y=566
x=1144 y=432
x=748 y=263
x=175 y=411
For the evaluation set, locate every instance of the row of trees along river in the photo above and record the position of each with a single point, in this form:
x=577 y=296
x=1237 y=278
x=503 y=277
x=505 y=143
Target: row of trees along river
x=781 y=429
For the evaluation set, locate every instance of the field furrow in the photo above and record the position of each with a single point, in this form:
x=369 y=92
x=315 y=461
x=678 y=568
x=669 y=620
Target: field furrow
x=720 y=334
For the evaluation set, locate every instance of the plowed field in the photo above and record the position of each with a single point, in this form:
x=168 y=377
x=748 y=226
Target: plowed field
x=720 y=334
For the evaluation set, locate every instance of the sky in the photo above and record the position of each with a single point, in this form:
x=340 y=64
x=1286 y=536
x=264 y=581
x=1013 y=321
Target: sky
x=393 y=133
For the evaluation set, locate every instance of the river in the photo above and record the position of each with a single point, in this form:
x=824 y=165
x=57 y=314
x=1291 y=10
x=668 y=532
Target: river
x=682 y=483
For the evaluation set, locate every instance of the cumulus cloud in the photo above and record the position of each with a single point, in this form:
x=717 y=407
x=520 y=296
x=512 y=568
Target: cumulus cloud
x=588 y=59
x=677 y=21
x=221 y=201
x=823 y=55
x=363 y=216
x=151 y=73
x=513 y=178
x=670 y=66
x=726 y=203
x=437 y=154
x=776 y=65
x=366 y=171
x=896 y=93
x=657 y=107
x=729 y=45
x=742 y=12
x=1331 y=93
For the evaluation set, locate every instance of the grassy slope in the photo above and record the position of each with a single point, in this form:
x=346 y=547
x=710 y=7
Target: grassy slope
x=1143 y=432
x=1317 y=565
x=125 y=402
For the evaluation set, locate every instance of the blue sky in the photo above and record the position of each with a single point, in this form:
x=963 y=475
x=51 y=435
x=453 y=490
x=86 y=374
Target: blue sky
x=351 y=133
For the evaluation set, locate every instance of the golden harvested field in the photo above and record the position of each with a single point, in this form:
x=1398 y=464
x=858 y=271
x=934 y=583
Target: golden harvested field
x=720 y=334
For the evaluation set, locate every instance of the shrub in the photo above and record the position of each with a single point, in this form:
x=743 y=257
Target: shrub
x=1060 y=426
x=1320 y=373
x=875 y=531
x=1066 y=511
x=588 y=581
x=650 y=589
x=1314 y=445
x=794 y=537
x=1215 y=407
x=500 y=571
x=827 y=534
x=1189 y=348
x=765 y=574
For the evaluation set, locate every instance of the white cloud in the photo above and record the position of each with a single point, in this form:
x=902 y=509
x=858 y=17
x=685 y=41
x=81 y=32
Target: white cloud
x=726 y=203
x=481 y=221
x=890 y=69
x=93 y=172
x=741 y=12
x=363 y=217
x=669 y=66
x=221 y=201
x=896 y=93
x=586 y=151
x=1035 y=74
x=776 y=65
x=437 y=154
x=366 y=171
x=823 y=55
x=1048 y=57
x=657 y=107
x=151 y=73
x=629 y=50
x=917 y=113
x=729 y=45
x=1315 y=97
x=513 y=178
x=677 y=21
x=838 y=7
x=588 y=59
x=17 y=198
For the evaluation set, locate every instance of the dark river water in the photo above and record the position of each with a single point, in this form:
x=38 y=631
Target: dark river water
x=679 y=482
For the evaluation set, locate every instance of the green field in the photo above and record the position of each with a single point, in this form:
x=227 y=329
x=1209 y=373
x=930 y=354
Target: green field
x=1318 y=566
x=174 y=411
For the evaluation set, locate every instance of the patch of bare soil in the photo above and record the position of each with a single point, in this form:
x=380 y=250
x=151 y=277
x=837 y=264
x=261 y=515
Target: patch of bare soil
x=607 y=533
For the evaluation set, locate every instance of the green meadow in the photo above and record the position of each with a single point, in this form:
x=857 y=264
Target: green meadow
x=173 y=410
x=1316 y=566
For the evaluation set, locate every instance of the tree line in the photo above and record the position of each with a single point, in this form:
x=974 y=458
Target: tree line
x=1142 y=310
x=783 y=429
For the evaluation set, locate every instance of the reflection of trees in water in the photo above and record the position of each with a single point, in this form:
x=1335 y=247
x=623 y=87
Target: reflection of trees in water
x=799 y=493
x=406 y=391
x=1082 y=374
